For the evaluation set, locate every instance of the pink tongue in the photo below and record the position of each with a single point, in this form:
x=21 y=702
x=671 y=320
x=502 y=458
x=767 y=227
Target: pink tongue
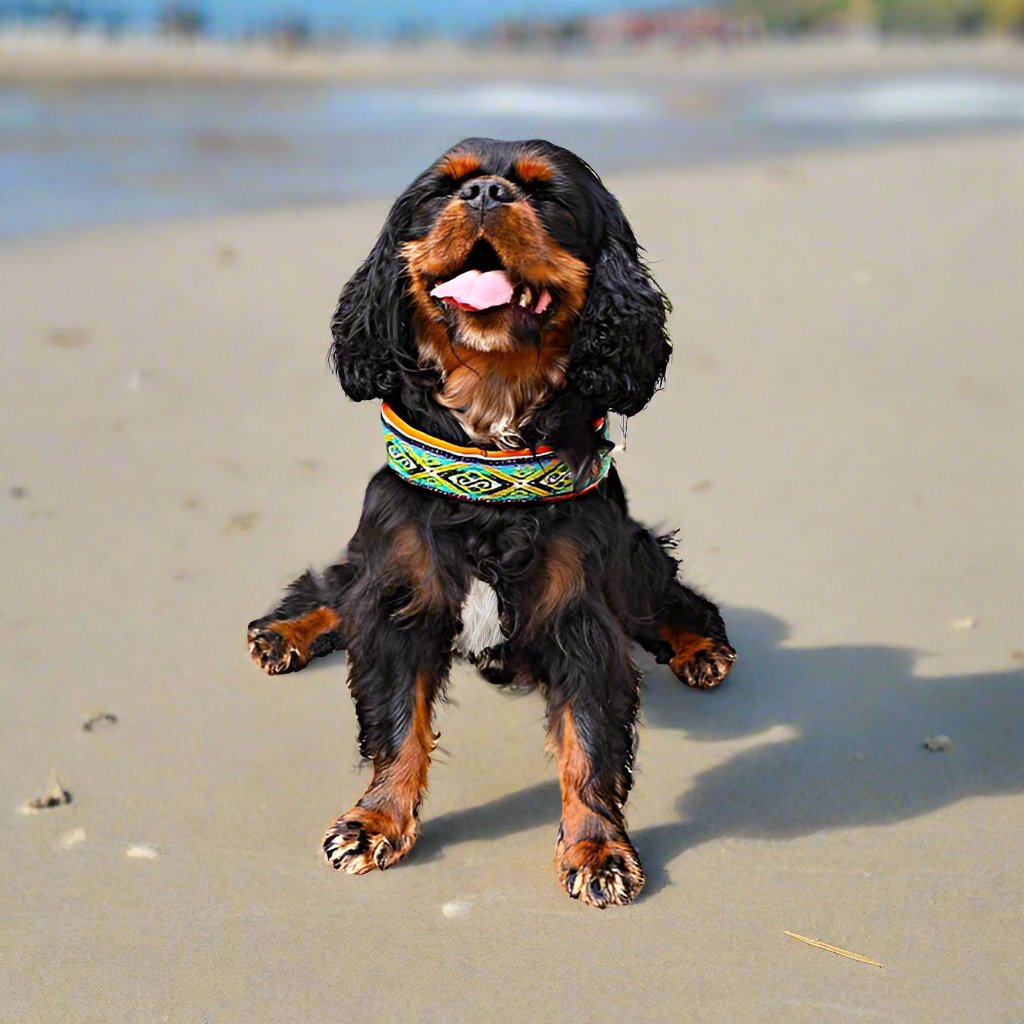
x=476 y=290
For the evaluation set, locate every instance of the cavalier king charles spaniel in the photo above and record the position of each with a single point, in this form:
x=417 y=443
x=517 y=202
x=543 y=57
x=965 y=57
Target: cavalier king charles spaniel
x=503 y=312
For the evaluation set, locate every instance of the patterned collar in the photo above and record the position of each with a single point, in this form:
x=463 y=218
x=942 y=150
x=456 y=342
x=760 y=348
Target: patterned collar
x=476 y=474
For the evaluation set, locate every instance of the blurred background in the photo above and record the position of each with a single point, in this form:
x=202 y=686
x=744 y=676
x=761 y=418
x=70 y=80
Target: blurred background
x=113 y=111
x=832 y=194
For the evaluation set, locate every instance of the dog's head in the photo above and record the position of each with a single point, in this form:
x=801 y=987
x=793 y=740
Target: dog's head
x=508 y=253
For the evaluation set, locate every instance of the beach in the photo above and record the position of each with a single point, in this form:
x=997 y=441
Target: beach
x=97 y=131
x=839 y=444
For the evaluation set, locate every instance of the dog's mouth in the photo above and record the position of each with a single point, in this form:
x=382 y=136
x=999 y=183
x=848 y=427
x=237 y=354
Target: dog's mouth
x=483 y=283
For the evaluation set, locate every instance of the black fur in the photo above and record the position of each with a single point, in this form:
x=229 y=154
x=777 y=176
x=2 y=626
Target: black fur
x=621 y=347
x=580 y=654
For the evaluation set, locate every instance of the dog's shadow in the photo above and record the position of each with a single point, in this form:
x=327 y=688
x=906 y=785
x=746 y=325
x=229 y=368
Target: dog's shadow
x=842 y=732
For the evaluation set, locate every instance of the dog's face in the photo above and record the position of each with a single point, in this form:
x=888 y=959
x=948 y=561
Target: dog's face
x=513 y=260
x=499 y=257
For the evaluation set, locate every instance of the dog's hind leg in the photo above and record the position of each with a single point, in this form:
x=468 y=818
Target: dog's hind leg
x=692 y=628
x=305 y=625
x=676 y=624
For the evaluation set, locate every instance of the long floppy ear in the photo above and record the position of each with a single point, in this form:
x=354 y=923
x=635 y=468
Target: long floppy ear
x=370 y=325
x=621 y=347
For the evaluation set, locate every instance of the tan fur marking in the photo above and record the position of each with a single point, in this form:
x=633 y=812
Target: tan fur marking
x=523 y=244
x=684 y=644
x=445 y=248
x=573 y=772
x=459 y=165
x=405 y=778
x=563 y=578
x=594 y=860
x=485 y=389
x=301 y=632
x=534 y=168
x=410 y=554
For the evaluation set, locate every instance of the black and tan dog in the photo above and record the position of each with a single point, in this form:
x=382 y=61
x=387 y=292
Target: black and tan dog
x=504 y=305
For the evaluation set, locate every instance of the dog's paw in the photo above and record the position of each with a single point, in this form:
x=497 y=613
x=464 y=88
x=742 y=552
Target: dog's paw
x=705 y=668
x=600 y=872
x=363 y=839
x=272 y=652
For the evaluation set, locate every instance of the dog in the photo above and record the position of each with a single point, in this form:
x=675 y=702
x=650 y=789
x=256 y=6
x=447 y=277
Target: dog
x=503 y=313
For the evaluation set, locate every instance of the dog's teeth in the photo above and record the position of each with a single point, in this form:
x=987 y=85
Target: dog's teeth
x=526 y=298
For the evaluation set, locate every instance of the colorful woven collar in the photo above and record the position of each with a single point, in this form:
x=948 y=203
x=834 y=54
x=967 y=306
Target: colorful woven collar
x=476 y=474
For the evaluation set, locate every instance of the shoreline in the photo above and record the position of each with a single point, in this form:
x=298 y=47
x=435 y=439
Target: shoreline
x=632 y=178
x=54 y=58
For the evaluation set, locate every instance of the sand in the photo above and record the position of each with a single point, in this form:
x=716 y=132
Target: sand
x=840 y=442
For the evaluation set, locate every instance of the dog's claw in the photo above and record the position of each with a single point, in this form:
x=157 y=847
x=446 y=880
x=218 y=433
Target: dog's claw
x=706 y=668
x=600 y=873
x=354 y=846
x=271 y=652
x=381 y=854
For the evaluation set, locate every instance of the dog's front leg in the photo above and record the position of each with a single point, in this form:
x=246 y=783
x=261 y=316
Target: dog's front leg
x=590 y=733
x=672 y=621
x=582 y=655
x=400 y=632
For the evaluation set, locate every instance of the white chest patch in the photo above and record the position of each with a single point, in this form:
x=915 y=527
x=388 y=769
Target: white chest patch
x=481 y=624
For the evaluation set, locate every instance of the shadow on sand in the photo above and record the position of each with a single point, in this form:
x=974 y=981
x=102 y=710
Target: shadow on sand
x=846 y=750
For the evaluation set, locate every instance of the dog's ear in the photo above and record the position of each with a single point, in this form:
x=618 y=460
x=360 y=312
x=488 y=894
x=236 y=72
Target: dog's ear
x=621 y=347
x=370 y=325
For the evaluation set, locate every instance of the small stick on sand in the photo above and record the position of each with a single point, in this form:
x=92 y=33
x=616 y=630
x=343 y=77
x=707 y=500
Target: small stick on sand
x=833 y=949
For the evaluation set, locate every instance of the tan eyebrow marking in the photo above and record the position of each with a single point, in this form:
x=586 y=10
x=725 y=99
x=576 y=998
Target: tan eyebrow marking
x=459 y=165
x=534 y=168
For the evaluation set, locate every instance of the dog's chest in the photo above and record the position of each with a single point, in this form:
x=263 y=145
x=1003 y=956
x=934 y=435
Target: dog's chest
x=481 y=621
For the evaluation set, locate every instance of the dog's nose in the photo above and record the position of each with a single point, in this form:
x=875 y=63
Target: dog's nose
x=483 y=193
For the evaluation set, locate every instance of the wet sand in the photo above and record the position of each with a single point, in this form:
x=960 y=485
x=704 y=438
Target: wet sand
x=97 y=133
x=840 y=444
x=50 y=57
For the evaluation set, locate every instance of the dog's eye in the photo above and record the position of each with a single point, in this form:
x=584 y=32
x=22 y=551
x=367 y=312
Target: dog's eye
x=547 y=192
x=536 y=189
x=427 y=206
x=548 y=198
